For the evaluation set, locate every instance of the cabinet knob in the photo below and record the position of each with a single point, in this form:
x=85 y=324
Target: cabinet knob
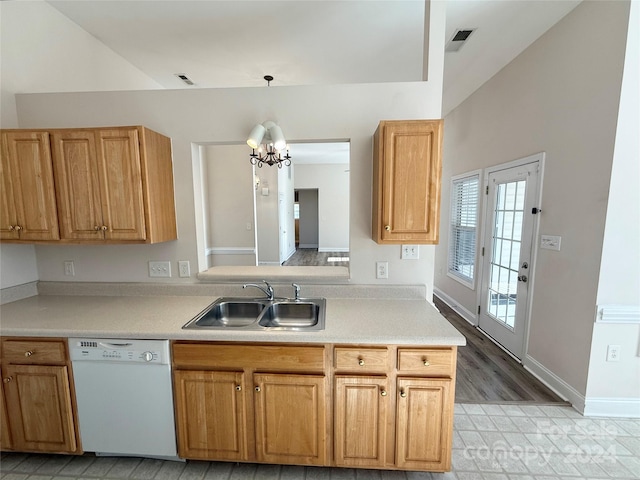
x=18 y=228
x=361 y=362
x=11 y=228
x=7 y=379
x=403 y=394
x=426 y=362
x=257 y=389
x=383 y=393
x=96 y=228
x=387 y=227
x=238 y=388
x=28 y=353
x=104 y=228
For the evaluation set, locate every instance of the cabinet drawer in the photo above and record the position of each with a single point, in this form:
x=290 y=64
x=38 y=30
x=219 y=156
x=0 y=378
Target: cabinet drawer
x=361 y=359
x=264 y=357
x=33 y=351
x=427 y=361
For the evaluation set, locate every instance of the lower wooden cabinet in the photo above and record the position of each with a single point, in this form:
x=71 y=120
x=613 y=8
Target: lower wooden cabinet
x=424 y=424
x=38 y=395
x=211 y=414
x=389 y=407
x=290 y=418
x=267 y=405
x=361 y=406
x=5 y=436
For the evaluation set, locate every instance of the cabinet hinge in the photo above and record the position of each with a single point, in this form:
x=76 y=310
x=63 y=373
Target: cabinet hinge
x=486 y=192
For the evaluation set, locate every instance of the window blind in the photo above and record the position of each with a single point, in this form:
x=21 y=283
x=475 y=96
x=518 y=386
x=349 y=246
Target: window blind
x=463 y=227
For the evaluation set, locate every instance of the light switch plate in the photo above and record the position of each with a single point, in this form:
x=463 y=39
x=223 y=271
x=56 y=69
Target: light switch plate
x=410 y=252
x=550 y=242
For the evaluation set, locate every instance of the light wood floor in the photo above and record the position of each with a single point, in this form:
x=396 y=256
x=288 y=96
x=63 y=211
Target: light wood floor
x=311 y=257
x=487 y=374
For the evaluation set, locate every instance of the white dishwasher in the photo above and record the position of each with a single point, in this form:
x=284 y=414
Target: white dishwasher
x=124 y=396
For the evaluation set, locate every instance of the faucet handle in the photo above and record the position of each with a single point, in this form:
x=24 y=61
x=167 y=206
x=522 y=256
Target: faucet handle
x=296 y=290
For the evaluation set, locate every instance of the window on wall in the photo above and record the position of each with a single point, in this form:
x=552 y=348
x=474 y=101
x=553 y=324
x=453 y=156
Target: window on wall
x=463 y=227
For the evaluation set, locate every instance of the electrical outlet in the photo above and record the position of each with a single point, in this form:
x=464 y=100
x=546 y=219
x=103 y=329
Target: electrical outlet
x=613 y=353
x=69 y=270
x=382 y=269
x=159 y=269
x=410 y=252
x=183 y=268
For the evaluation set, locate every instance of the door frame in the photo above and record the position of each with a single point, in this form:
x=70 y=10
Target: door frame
x=540 y=158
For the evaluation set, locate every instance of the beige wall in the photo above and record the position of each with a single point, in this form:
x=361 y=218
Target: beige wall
x=560 y=96
x=44 y=51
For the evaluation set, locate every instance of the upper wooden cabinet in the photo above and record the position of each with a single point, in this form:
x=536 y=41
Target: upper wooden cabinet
x=28 y=203
x=112 y=185
x=406 y=181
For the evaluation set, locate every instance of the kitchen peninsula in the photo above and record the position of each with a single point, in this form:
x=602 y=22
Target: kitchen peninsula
x=374 y=389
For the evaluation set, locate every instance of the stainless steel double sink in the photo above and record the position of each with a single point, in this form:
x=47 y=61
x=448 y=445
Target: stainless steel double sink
x=303 y=314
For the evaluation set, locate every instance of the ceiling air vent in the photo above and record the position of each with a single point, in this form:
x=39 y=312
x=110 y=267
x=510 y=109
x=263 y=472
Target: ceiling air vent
x=184 y=78
x=458 y=40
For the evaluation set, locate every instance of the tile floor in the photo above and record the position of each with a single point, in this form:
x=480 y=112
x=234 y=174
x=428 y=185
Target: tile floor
x=491 y=442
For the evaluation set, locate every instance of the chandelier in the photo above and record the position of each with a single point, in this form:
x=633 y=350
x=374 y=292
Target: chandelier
x=269 y=152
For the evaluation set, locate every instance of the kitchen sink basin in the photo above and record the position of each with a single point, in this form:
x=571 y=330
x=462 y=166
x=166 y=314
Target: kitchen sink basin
x=289 y=315
x=261 y=314
x=230 y=313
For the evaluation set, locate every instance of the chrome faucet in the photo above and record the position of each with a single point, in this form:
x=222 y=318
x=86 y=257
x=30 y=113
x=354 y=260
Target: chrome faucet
x=296 y=291
x=268 y=291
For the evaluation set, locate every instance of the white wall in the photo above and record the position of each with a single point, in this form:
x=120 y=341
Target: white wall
x=559 y=96
x=42 y=50
x=614 y=387
x=332 y=182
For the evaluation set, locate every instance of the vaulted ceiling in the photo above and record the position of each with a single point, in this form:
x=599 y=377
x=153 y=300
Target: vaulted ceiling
x=222 y=44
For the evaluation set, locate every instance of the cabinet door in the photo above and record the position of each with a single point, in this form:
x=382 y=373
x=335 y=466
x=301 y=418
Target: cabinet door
x=407 y=171
x=424 y=424
x=5 y=434
x=210 y=412
x=77 y=184
x=8 y=216
x=121 y=184
x=361 y=414
x=26 y=158
x=39 y=407
x=290 y=418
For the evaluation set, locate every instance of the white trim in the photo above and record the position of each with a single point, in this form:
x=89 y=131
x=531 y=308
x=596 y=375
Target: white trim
x=459 y=309
x=612 y=407
x=555 y=383
x=341 y=250
x=231 y=251
x=618 y=314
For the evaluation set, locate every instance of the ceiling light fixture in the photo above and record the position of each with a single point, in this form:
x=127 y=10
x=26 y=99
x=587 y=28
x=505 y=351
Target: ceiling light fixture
x=271 y=134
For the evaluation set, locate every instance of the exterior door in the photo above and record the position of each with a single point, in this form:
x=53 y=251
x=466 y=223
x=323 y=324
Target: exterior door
x=508 y=238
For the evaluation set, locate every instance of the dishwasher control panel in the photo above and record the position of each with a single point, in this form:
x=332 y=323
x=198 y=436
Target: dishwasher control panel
x=118 y=350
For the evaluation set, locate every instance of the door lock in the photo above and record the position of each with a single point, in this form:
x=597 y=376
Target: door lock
x=525 y=265
x=522 y=278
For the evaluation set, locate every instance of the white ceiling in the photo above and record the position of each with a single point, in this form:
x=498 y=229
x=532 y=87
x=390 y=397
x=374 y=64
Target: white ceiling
x=235 y=43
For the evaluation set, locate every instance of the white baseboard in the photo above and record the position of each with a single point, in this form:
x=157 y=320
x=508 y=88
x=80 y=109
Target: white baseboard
x=470 y=317
x=612 y=407
x=555 y=383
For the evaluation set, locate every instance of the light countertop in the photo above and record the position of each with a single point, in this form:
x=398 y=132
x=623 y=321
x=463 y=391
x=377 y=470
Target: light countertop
x=352 y=320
